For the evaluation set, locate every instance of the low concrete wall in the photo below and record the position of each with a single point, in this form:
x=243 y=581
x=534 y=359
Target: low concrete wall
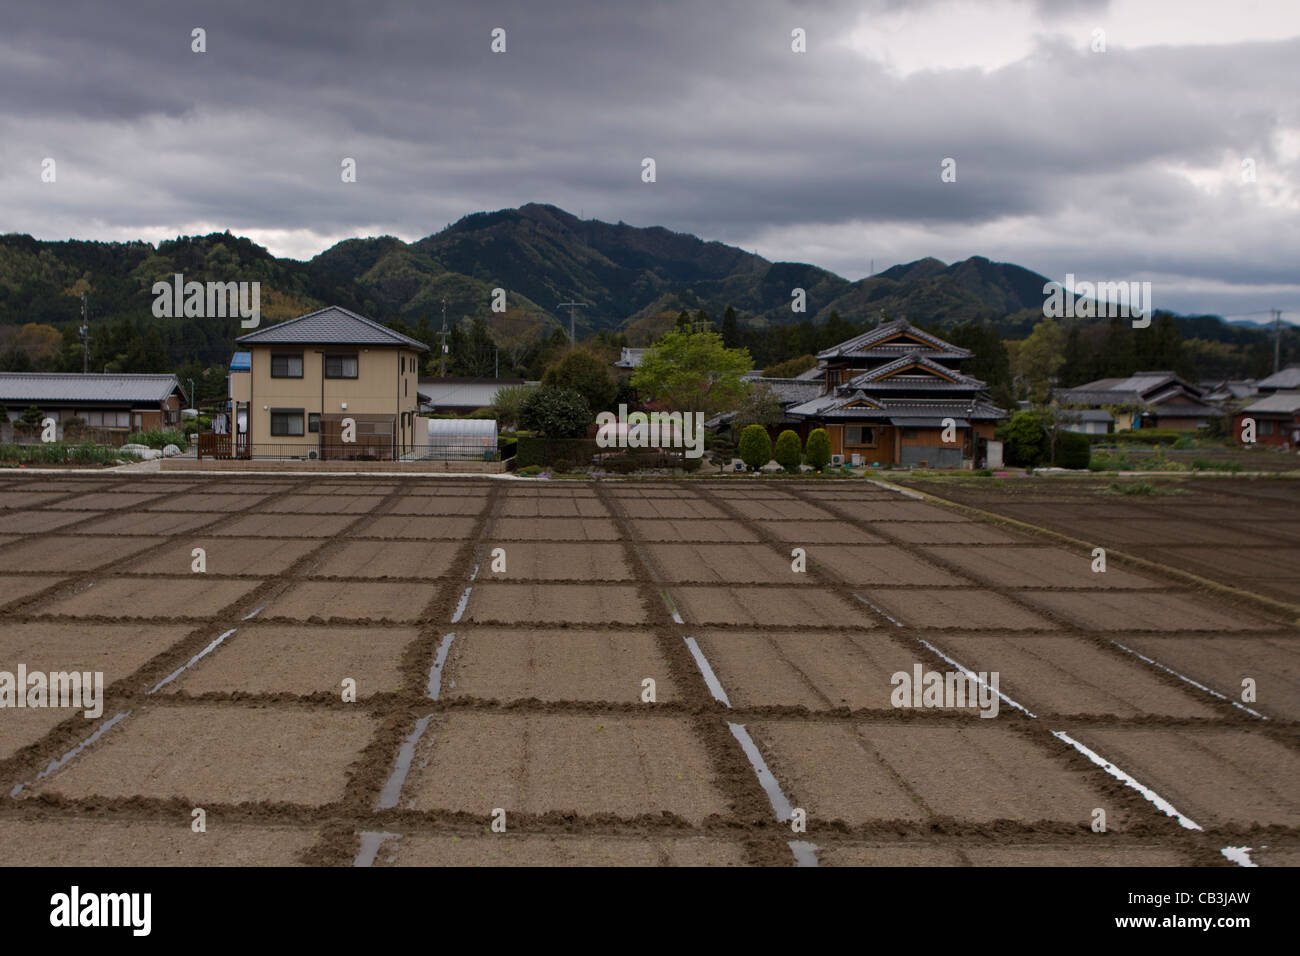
x=324 y=467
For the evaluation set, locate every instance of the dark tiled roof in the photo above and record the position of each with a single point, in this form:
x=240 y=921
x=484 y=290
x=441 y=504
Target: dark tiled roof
x=869 y=344
x=329 y=326
x=914 y=411
x=72 y=387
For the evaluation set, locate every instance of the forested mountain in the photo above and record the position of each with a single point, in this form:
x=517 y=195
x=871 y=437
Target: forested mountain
x=634 y=282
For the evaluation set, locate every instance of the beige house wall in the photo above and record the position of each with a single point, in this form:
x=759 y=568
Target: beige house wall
x=240 y=382
x=380 y=388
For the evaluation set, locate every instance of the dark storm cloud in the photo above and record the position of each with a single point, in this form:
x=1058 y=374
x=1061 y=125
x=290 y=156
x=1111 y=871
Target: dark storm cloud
x=831 y=155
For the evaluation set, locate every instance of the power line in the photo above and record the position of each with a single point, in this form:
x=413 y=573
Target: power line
x=572 y=307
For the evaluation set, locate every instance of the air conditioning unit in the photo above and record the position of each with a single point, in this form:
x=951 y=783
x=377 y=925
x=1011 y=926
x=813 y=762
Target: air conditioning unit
x=857 y=461
x=312 y=456
x=837 y=460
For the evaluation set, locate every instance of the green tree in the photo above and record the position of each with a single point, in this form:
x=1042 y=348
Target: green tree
x=1074 y=370
x=507 y=403
x=556 y=413
x=792 y=367
x=788 y=451
x=1024 y=439
x=755 y=446
x=1038 y=360
x=586 y=374
x=730 y=329
x=692 y=372
x=819 y=448
x=760 y=406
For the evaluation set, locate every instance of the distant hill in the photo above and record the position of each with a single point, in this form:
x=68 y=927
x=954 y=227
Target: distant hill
x=629 y=277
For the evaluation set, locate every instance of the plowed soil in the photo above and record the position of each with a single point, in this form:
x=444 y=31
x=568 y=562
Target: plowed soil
x=527 y=689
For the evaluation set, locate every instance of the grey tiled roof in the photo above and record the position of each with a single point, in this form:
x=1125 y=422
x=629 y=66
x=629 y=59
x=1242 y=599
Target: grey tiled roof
x=329 y=326
x=71 y=387
x=790 y=389
x=1289 y=377
x=1282 y=402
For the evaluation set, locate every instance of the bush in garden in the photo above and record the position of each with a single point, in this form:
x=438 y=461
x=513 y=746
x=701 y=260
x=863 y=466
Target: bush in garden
x=556 y=412
x=788 y=451
x=819 y=448
x=755 y=447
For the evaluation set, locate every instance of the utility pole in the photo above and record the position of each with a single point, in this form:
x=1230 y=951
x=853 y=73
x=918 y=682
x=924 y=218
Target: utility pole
x=85 y=337
x=572 y=307
x=442 y=355
x=1277 y=338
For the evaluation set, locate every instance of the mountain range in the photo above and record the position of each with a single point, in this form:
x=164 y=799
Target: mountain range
x=629 y=279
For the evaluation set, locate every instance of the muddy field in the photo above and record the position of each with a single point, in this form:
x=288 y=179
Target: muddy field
x=420 y=671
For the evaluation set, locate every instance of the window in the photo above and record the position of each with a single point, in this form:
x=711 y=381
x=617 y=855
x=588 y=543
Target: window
x=286 y=365
x=286 y=421
x=407 y=387
x=313 y=422
x=108 y=419
x=403 y=364
x=341 y=366
x=1265 y=426
x=859 y=435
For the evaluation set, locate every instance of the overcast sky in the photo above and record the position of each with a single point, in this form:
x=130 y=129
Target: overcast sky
x=1122 y=164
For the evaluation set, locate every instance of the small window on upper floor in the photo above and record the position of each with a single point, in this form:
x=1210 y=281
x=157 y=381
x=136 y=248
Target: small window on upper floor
x=286 y=365
x=341 y=366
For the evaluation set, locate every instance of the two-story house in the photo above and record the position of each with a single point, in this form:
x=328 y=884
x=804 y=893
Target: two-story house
x=896 y=396
x=307 y=377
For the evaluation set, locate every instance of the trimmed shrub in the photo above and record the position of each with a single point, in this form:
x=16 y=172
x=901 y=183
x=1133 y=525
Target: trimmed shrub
x=1149 y=436
x=755 y=447
x=1024 y=440
x=788 y=451
x=619 y=464
x=818 y=449
x=556 y=412
x=547 y=451
x=530 y=470
x=1072 y=450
